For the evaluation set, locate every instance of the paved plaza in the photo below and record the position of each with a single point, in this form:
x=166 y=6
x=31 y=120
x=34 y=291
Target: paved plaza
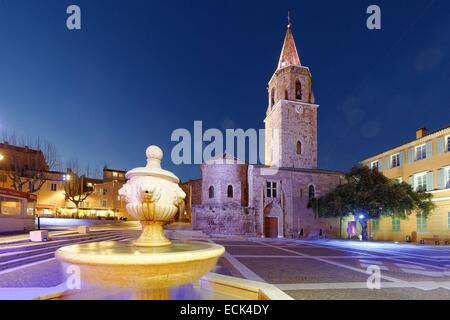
x=303 y=269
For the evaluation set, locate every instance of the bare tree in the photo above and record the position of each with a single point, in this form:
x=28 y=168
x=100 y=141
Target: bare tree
x=29 y=171
x=76 y=185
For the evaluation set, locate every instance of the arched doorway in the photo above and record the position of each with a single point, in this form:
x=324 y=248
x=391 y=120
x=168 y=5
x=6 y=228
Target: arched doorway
x=272 y=221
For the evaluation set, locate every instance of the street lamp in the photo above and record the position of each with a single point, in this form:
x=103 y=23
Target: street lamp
x=2 y=157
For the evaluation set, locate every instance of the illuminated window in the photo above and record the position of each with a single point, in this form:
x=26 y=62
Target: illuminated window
x=395 y=160
x=230 y=192
x=211 y=192
x=375 y=165
x=271 y=189
x=422 y=223
x=396 y=224
x=3 y=178
x=421 y=152
x=447 y=178
x=421 y=182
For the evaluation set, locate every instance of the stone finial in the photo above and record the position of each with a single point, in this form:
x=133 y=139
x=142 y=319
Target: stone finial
x=154 y=156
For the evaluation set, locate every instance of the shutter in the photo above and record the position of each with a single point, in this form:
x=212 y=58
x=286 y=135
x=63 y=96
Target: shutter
x=441 y=178
x=440 y=145
x=411 y=181
x=411 y=155
x=387 y=163
x=402 y=158
x=430 y=181
x=429 y=149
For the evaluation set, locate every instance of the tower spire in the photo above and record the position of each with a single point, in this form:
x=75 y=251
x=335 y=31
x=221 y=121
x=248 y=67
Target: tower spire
x=289 y=55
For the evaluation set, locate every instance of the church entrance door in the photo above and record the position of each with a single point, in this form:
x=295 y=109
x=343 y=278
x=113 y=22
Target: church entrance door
x=270 y=227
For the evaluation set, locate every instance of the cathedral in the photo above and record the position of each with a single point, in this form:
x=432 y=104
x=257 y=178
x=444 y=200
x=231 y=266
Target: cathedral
x=236 y=198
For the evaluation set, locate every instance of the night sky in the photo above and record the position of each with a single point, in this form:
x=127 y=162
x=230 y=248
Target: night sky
x=140 y=69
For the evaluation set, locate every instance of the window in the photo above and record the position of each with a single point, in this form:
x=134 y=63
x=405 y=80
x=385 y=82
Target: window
x=448 y=143
x=103 y=192
x=230 y=191
x=298 y=90
x=395 y=160
x=286 y=95
x=53 y=187
x=447 y=178
x=3 y=178
x=211 y=192
x=311 y=192
x=104 y=203
x=375 y=225
x=374 y=165
x=396 y=224
x=399 y=180
x=421 y=223
x=421 y=182
x=299 y=147
x=421 y=152
x=271 y=189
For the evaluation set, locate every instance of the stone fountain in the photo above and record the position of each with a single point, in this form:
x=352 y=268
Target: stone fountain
x=152 y=264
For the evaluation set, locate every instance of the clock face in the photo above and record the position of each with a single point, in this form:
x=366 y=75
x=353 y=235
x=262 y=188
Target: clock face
x=298 y=109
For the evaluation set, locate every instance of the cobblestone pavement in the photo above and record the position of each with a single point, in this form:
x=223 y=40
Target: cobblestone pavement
x=340 y=269
x=303 y=269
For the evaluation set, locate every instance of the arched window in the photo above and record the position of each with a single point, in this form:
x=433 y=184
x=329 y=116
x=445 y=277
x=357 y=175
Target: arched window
x=311 y=192
x=299 y=147
x=286 y=95
x=298 y=90
x=230 y=192
x=272 y=97
x=211 y=192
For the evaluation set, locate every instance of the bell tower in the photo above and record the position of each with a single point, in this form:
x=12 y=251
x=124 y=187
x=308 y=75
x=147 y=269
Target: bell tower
x=291 y=119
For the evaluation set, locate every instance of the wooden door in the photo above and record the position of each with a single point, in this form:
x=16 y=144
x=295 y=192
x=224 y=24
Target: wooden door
x=270 y=227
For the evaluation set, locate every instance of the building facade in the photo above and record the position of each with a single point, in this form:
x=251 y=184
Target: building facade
x=50 y=200
x=271 y=200
x=424 y=163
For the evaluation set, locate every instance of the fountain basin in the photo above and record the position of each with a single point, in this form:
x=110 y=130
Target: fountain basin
x=146 y=269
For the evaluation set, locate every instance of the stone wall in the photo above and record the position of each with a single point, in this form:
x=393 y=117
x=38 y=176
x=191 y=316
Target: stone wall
x=224 y=220
x=293 y=198
x=220 y=176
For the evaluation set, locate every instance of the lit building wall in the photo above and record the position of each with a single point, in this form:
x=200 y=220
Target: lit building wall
x=425 y=164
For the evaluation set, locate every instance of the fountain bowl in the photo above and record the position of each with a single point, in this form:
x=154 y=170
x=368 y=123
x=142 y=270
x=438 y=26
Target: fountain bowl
x=123 y=265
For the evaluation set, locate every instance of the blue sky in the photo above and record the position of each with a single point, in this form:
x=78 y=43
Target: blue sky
x=140 y=69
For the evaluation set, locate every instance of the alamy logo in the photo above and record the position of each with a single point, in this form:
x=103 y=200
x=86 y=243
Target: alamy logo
x=374 y=20
x=374 y=281
x=212 y=143
x=73 y=21
x=74 y=279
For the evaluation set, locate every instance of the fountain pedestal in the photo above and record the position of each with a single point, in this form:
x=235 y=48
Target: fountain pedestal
x=152 y=264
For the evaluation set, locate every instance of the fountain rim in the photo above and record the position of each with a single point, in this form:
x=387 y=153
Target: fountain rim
x=70 y=255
